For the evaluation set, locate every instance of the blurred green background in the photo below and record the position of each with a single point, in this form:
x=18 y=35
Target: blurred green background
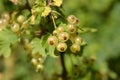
x=104 y=15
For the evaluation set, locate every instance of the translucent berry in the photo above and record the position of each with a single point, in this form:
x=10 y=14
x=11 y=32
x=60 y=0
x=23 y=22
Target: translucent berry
x=39 y=68
x=55 y=32
x=21 y=19
x=71 y=28
x=52 y=40
x=75 y=48
x=63 y=36
x=61 y=47
x=15 y=27
x=6 y=16
x=5 y=22
x=78 y=40
x=71 y=19
x=60 y=29
x=40 y=60
x=34 y=61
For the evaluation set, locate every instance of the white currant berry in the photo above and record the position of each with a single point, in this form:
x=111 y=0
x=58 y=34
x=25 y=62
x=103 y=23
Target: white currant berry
x=78 y=40
x=21 y=19
x=52 y=40
x=39 y=68
x=63 y=36
x=71 y=19
x=75 y=48
x=5 y=22
x=62 y=47
x=55 y=32
x=40 y=60
x=71 y=28
x=34 y=61
x=60 y=29
x=15 y=27
x=6 y=16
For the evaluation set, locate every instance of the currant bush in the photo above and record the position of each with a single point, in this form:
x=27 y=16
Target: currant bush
x=44 y=31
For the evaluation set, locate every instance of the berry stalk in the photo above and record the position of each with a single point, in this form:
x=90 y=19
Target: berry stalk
x=64 y=71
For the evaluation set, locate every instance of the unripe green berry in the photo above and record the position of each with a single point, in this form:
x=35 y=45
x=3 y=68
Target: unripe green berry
x=71 y=28
x=62 y=47
x=15 y=27
x=52 y=40
x=63 y=36
x=75 y=48
x=92 y=58
x=36 y=55
x=78 y=40
x=28 y=47
x=21 y=19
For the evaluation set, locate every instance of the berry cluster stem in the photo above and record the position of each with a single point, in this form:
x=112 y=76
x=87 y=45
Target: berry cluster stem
x=54 y=22
x=64 y=72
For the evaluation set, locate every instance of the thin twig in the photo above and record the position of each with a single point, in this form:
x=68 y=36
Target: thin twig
x=54 y=22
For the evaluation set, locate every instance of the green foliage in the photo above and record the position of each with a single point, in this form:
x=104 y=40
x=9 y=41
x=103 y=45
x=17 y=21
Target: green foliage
x=42 y=17
x=37 y=47
x=7 y=38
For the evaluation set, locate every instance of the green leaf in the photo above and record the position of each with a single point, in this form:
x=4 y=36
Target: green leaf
x=68 y=64
x=74 y=59
x=37 y=46
x=6 y=39
x=8 y=52
x=51 y=50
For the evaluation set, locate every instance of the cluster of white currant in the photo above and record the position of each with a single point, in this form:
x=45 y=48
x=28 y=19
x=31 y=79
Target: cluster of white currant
x=4 y=20
x=7 y=19
x=37 y=60
x=61 y=35
x=16 y=24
